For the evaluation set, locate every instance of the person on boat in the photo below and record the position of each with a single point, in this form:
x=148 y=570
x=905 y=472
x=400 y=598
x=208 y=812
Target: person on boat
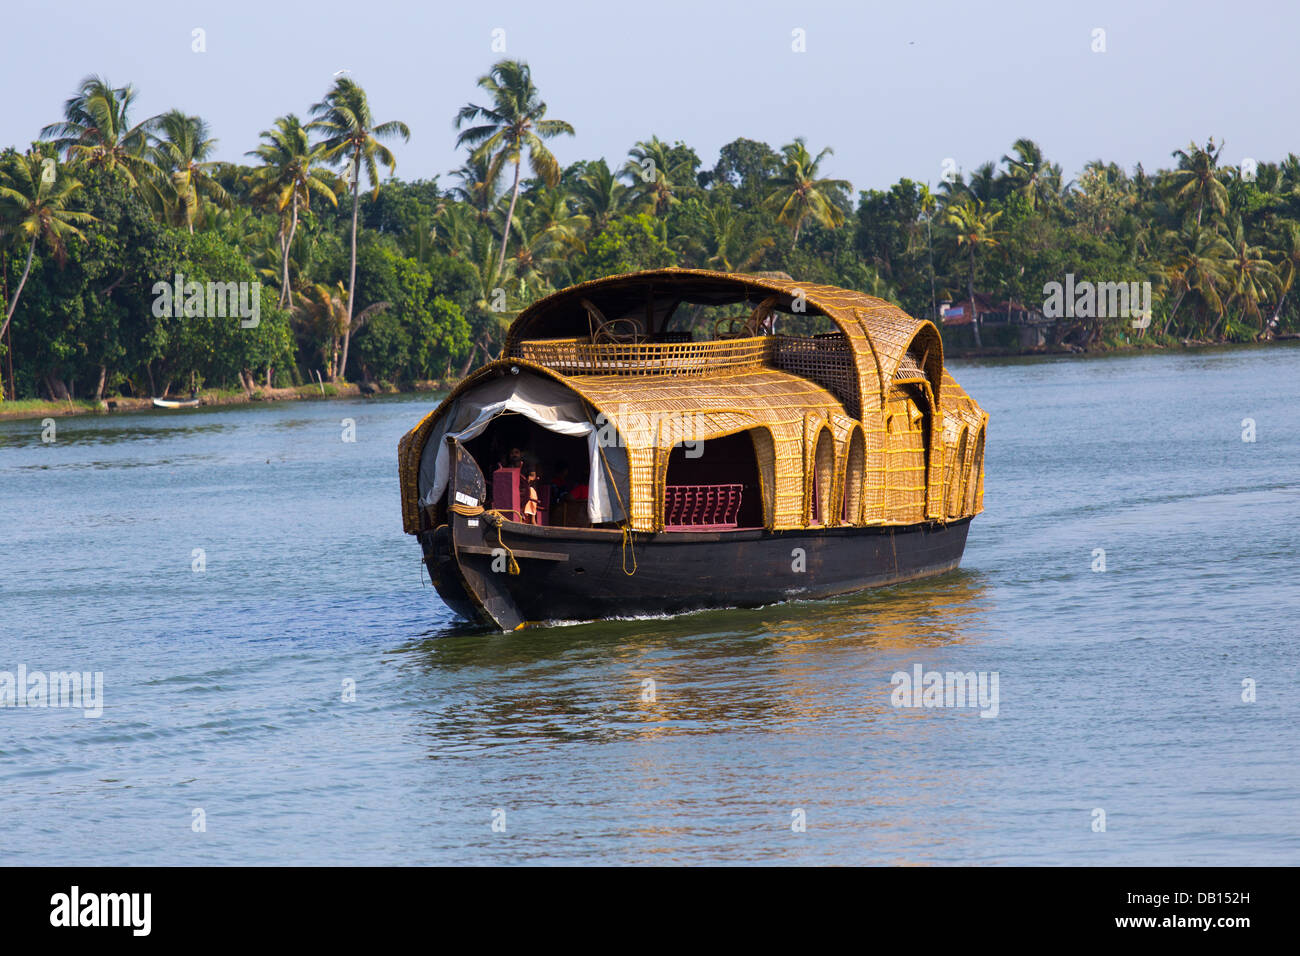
x=560 y=483
x=529 y=496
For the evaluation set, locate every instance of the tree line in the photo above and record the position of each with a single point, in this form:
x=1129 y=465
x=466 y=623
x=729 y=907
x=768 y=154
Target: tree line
x=366 y=276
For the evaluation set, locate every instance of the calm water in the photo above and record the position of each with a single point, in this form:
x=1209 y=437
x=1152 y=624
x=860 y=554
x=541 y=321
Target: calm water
x=1119 y=690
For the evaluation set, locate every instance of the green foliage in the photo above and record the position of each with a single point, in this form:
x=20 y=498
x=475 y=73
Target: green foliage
x=627 y=244
x=134 y=201
x=422 y=332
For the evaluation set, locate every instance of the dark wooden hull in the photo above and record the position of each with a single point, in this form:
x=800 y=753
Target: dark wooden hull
x=572 y=574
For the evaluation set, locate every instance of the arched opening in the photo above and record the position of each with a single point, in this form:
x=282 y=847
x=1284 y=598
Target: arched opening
x=956 y=478
x=526 y=424
x=715 y=485
x=823 y=479
x=533 y=475
x=975 y=479
x=855 y=473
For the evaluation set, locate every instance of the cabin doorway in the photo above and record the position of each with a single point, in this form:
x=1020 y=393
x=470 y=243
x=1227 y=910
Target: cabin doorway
x=713 y=485
x=533 y=475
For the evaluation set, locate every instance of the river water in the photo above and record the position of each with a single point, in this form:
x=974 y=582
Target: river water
x=234 y=572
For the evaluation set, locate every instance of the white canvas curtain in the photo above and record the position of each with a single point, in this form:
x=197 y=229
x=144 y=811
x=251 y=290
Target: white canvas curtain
x=543 y=401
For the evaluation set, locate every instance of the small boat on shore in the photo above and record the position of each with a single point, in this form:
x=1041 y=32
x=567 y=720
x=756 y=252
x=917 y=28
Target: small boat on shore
x=175 y=403
x=680 y=439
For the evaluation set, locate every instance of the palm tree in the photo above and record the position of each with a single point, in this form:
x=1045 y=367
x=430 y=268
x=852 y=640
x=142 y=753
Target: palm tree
x=1031 y=175
x=723 y=246
x=514 y=124
x=182 y=153
x=352 y=136
x=96 y=129
x=599 y=195
x=1288 y=266
x=290 y=173
x=659 y=177
x=475 y=187
x=458 y=231
x=34 y=197
x=323 y=314
x=984 y=184
x=1201 y=271
x=550 y=235
x=974 y=228
x=1197 y=178
x=1253 y=276
x=799 y=194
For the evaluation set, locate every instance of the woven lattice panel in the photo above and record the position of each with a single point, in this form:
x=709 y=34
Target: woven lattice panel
x=573 y=356
x=827 y=360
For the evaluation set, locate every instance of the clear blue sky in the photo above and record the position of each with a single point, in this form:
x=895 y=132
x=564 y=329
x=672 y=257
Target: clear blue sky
x=895 y=88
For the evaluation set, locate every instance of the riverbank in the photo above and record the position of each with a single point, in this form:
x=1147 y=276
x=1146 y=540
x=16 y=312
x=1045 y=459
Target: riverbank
x=1136 y=346
x=40 y=408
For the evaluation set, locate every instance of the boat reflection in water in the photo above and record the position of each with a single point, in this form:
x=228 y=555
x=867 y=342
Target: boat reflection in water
x=728 y=707
x=770 y=667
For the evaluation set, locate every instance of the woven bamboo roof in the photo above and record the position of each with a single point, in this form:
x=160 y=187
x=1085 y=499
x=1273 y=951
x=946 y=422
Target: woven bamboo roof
x=880 y=333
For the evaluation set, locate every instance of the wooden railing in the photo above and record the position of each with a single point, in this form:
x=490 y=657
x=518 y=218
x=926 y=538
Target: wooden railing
x=579 y=357
x=701 y=507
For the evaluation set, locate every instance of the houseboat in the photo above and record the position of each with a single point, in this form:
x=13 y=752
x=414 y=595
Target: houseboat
x=680 y=439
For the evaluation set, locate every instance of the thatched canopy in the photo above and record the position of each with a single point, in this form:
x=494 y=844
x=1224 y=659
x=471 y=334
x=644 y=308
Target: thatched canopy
x=880 y=333
x=902 y=443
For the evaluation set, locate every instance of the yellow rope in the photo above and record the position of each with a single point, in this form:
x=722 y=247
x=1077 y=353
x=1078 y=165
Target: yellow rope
x=627 y=541
x=627 y=544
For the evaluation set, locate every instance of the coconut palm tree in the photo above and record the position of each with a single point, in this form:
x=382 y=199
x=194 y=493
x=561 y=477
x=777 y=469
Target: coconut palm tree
x=984 y=183
x=96 y=129
x=973 y=229
x=514 y=124
x=290 y=173
x=549 y=236
x=660 y=177
x=599 y=195
x=721 y=243
x=1201 y=272
x=1030 y=174
x=799 y=194
x=1253 y=277
x=1197 y=178
x=475 y=186
x=458 y=231
x=351 y=136
x=323 y=315
x=1288 y=265
x=35 y=195
x=182 y=152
